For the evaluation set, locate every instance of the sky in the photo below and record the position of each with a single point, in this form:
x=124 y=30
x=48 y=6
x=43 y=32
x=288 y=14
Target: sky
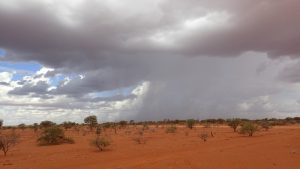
x=62 y=60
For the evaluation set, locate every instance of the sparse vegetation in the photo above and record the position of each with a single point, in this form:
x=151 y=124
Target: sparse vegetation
x=265 y=125
x=234 y=123
x=101 y=142
x=68 y=125
x=190 y=123
x=7 y=141
x=249 y=128
x=171 y=129
x=54 y=136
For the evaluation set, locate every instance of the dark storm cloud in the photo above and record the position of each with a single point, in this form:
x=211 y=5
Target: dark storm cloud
x=101 y=36
x=117 y=47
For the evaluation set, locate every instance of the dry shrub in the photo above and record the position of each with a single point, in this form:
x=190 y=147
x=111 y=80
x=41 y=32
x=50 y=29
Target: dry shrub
x=203 y=136
x=101 y=142
x=139 y=138
x=8 y=141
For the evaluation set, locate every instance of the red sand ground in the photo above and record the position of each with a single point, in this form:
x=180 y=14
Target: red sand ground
x=278 y=148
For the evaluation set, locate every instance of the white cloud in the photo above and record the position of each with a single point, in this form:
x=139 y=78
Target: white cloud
x=5 y=77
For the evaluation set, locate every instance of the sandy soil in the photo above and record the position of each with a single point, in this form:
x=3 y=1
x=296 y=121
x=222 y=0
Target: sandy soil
x=278 y=148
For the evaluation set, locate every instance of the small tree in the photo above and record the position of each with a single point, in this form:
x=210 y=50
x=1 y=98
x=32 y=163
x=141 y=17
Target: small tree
x=7 y=142
x=91 y=121
x=35 y=127
x=22 y=126
x=248 y=128
x=101 y=142
x=190 y=123
x=234 y=123
x=46 y=124
x=1 y=123
x=123 y=123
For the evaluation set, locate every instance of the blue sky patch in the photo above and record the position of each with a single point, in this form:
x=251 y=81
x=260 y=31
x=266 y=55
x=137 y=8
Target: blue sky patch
x=20 y=69
x=2 y=52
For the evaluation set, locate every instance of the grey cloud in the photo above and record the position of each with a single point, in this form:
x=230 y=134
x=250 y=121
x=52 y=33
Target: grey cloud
x=291 y=73
x=40 y=88
x=4 y=84
x=113 y=49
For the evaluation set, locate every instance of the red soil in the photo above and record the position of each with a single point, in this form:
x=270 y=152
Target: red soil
x=278 y=148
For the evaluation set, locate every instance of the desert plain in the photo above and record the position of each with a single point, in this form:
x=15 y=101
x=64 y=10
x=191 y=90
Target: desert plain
x=277 y=148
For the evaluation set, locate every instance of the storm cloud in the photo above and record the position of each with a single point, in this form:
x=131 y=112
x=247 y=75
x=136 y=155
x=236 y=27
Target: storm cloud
x=201 y=59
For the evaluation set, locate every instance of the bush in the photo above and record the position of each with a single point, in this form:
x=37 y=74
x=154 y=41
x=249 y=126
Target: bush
x=7 y=142
x=140 y=137
x=190 y=123
x=101 y=142
x=54 y=136
x=171 y=129
x=203 y=136
x=249 y=128
x=234 y=123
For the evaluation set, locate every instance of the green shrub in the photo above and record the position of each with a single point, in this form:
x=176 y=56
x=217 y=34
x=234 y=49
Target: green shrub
x=171 y=129
x=249 y=128
x=101 y=142
x=190 y=123
x=53 y=136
